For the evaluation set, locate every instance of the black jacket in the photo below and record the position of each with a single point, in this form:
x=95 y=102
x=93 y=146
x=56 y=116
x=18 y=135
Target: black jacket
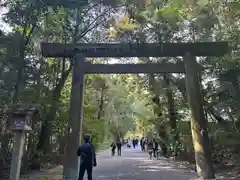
x=87 y=154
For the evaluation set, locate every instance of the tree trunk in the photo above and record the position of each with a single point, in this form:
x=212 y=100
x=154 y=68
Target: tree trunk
x=198 y=122
x=6 y=137
x=20 y=74
x=161 y=129
x=232 y=76
x=46 y=130
x=100 y=112
x=171 y=113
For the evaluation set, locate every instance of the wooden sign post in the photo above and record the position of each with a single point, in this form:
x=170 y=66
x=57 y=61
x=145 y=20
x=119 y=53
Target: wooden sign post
x=17 y=155
x=21 y=120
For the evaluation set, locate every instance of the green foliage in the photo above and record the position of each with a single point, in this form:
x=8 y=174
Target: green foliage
x=116 y=104
x=97 y=131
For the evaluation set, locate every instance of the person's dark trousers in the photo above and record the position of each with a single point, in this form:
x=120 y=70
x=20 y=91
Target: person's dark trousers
x=82 y=170
x=119 y=151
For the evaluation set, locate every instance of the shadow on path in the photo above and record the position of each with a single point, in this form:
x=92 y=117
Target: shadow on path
x=132 y=165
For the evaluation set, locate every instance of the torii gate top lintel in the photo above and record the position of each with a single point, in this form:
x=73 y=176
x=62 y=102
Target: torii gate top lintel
x=135 y=49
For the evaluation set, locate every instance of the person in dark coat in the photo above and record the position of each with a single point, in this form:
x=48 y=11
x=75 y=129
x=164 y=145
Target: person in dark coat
x=87 y=158
x=142 y=144
x=134 y=143
x=113 y=147
x=155 y=147
x=150 y=148
x=119 y=147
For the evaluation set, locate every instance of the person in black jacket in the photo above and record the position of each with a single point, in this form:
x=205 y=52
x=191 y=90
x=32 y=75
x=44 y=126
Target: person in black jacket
x=142 y=144
x=155 y=147
x=87 y=158
x=119 y=147
x=113 y=147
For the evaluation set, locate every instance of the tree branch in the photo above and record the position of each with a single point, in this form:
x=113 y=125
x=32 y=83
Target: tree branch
x=89 y=28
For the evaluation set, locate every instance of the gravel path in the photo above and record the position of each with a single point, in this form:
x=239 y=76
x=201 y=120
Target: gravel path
x=132 y=165
x=135 y=165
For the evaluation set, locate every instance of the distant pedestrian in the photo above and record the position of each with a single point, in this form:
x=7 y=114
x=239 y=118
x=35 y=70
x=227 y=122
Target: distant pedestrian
x=150 y=148
x=155 y=147
x=134 y=142
x=142 y=144
x=113 y=148
x=119 y=147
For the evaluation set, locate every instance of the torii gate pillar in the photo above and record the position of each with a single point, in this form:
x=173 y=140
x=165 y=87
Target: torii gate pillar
x=200 y=137
x=71 y=161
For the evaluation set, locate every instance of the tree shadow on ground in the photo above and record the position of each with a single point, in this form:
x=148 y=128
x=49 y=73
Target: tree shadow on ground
x=49 y=174
x=164 y=170
x=228 y=173
x=181 y=170
x=222 y=172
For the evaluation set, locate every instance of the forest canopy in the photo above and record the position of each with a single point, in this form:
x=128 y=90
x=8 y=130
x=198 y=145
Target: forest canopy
x=114 y=105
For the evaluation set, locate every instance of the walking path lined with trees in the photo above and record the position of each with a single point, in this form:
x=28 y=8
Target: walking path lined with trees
x=133 y=164
x=153 y=104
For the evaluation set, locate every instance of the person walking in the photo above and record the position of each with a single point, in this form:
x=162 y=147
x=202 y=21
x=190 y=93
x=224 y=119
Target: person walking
x=142 y=144
x=134 y=141
x=150 y=148
x=155 y=147
x=113 y=148
x=119 y=147
x=87 y=158
x=146 y=143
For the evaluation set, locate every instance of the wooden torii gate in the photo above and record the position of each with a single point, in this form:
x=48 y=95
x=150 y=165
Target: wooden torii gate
x=189 y=66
